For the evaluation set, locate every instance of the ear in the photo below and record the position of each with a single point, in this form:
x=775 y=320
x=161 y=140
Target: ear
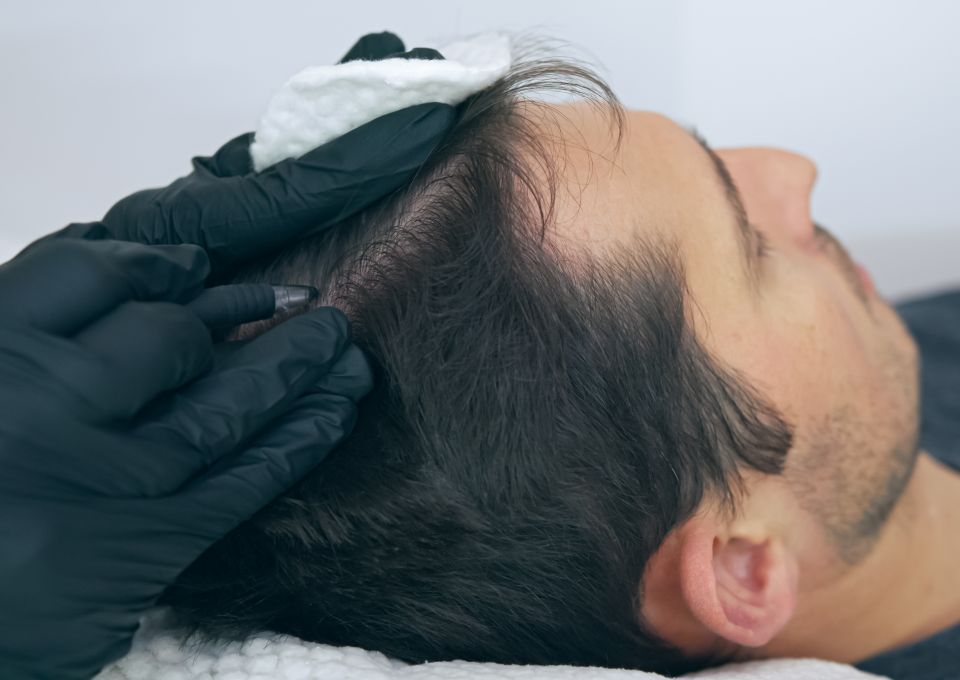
x=741 y=587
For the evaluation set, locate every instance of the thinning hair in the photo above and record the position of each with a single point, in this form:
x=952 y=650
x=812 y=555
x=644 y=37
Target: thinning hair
x=537 y=428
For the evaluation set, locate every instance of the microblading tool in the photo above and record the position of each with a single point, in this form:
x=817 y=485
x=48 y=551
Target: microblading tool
x=223 y=307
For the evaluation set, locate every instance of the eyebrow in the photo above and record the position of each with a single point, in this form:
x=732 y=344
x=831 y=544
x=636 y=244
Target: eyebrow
x=745 y=232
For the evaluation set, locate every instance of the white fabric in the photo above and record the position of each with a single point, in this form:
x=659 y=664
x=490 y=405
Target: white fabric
x=157 y=655
x=323 y=102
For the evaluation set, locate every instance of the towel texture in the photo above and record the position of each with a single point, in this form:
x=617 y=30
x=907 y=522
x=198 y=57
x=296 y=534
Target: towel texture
x=323 y=102
x=158 y=655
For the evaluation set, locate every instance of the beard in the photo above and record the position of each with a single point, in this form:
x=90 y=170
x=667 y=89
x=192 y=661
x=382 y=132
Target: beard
x=860 y=459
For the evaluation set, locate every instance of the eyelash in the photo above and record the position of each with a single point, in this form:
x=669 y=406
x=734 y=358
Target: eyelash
x=763 y=244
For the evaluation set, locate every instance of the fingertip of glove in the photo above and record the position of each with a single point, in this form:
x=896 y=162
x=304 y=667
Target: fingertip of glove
x=328 y=322
x=426 y=53
x=190 y=258
x=333 y=316
x=230 y=160
x=195 y=258
x=351 y=376
x=374 y=46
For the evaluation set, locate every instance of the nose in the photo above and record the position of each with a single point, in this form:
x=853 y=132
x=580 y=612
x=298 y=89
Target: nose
x=775 y=186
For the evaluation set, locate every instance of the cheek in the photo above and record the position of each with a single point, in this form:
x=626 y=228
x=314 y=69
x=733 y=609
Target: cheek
x=809 y=358
x=807 y=343
x=850 y=390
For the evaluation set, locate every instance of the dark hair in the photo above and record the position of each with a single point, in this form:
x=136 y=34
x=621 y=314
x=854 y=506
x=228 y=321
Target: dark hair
x=540 y=423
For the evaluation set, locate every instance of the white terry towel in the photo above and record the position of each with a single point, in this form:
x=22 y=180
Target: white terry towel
x=323 y=102
x=157 y=655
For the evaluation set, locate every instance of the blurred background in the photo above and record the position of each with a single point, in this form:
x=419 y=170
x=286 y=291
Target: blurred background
x=103 y=98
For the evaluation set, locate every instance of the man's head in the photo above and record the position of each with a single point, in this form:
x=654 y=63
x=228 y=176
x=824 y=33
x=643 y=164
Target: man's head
x=775 y=300
x=605 y=431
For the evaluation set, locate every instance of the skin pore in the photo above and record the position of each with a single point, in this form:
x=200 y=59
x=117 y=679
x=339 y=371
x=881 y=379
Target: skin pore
x=852 y=550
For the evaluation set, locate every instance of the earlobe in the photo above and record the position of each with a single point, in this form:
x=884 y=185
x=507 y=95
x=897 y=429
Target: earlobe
x=743 y=589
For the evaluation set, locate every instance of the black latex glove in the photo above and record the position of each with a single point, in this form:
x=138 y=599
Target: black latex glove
x=125 y=452
x=236 y=214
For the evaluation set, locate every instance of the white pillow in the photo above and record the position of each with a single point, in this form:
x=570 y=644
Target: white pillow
x=157 y=655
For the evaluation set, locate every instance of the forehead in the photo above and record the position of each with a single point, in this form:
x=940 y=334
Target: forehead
x=658 y=186
x=657 y=183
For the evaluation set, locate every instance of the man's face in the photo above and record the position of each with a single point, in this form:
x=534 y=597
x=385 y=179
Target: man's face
x=797 y=323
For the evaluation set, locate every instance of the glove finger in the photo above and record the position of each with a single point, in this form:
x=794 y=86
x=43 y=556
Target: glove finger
x=230 y=160
x=256 y=384
x=56 y=389
x=373 y=47
x=141 y=350
x=238 y=486
x=63 y=284
x=238 y=218
x=427 y=53
x=149 y=467
x=299 y=197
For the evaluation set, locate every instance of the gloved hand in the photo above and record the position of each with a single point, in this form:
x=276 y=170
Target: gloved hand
x=236 y=214
x=125 y=450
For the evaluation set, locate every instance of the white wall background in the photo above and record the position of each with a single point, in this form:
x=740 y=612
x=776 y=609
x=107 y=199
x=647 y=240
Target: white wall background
x=103 y=98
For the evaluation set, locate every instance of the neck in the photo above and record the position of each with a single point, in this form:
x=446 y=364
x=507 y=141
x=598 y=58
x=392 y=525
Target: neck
x=903 y=592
